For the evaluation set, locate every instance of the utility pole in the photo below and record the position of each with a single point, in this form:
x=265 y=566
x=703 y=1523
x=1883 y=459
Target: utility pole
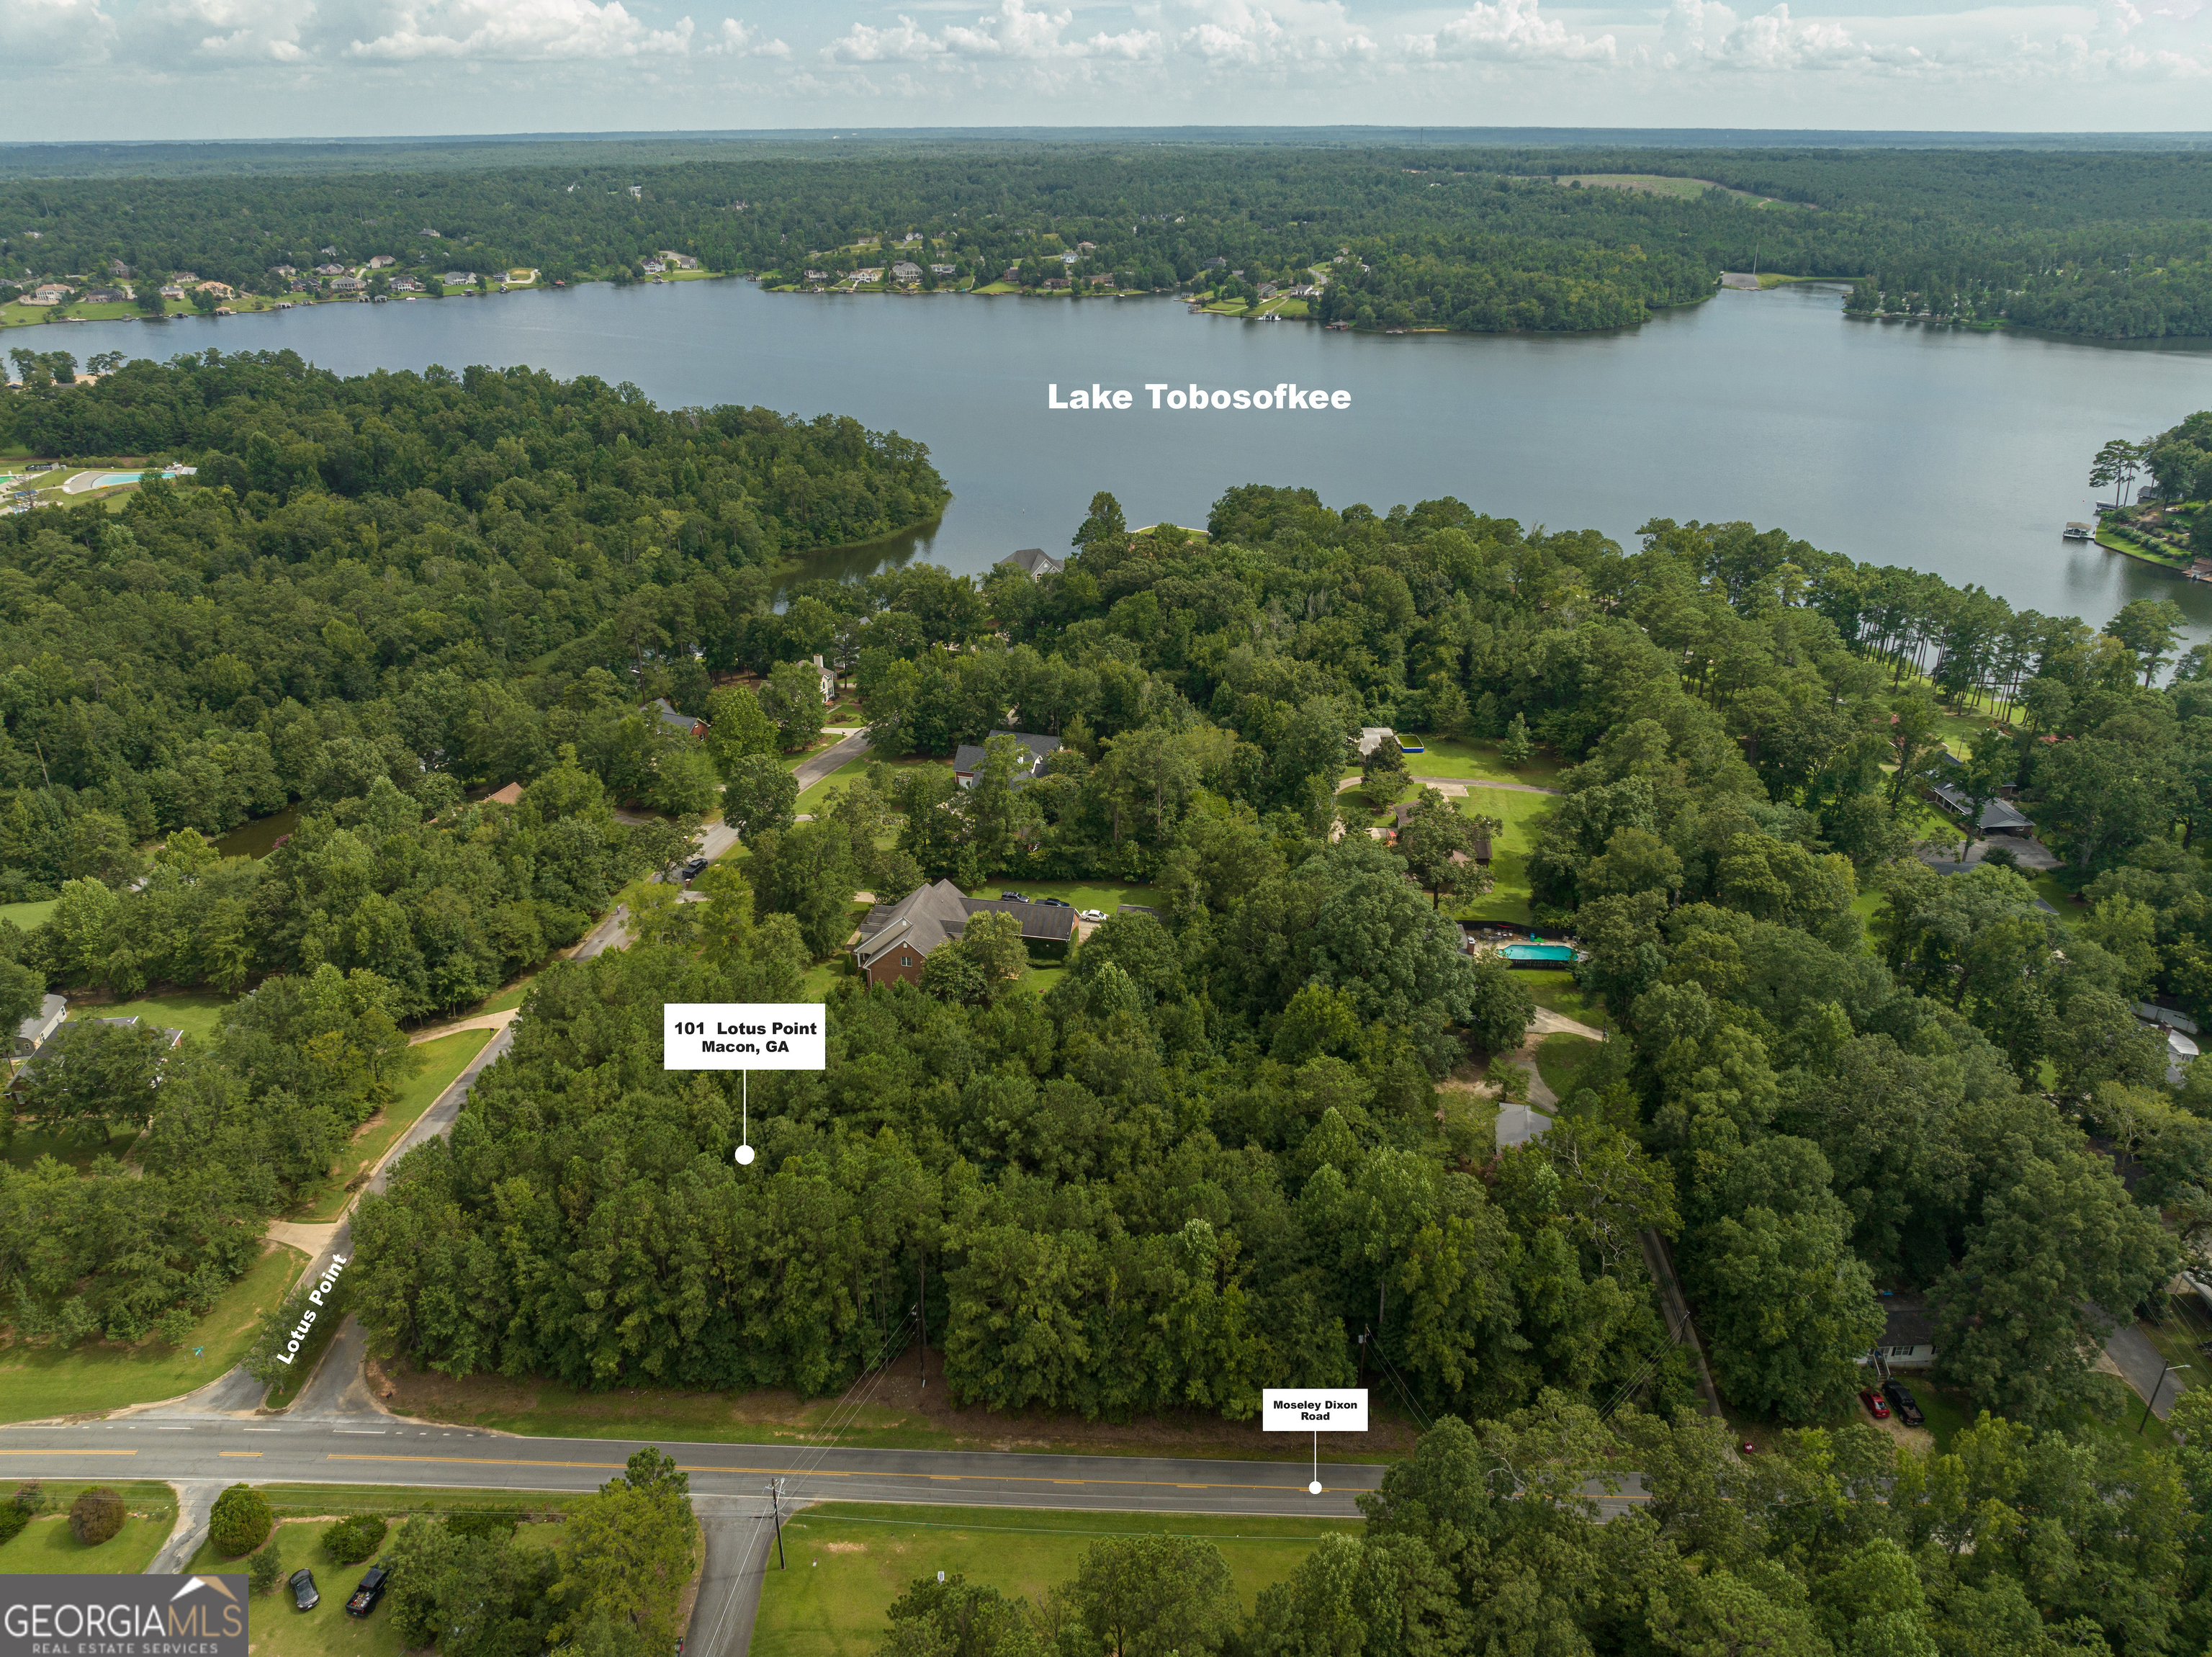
x=2163 y=1372
x=776 y=1506
x=921 y=1351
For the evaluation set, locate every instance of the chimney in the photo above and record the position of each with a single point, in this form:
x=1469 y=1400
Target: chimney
x=817 y=661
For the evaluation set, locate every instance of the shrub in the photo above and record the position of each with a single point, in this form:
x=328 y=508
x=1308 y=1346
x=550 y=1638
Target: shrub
x=482 y=1522
x=352 y=1540
x=96 y=1515
x=12 y=1520
x=241 y=1521
x=264 y=1570
x=30 y=1496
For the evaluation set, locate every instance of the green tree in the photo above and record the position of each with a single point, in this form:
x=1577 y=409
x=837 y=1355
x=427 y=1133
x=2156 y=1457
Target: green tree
x=1439 y=845
x=806 y=872
x=760 y=795
x=625 y=1555
x=1104 y=528
x=91 y=1078
x=97 y=1514
x=240 y=1521
x=2149 y=627
x=1150 y=1596
x=1518 y=747
x=957 y=1618
x=2117 y=466
x=791 y=701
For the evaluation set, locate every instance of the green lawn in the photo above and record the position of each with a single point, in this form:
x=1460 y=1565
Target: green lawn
x=1561 y=1060
x=442 y=1060
x=817 y=798
x=27 y=916
x=196 y=1012
x=509 y=997
x=26 y=1148
x=848 y=1561
x=1508 y=898
x=277 y=1630
x=38 y=1381
x=1445 y=756
x=1559 y=992
x=45 y=1546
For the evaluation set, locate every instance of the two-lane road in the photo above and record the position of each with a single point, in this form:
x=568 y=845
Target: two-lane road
x=387 y=1450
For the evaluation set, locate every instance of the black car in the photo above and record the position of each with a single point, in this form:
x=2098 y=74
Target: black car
x=1907 y=1407
x=302 y=1584
x=692 y=870
x=368 y=1590
x=1011 y=897
x=1054 y=903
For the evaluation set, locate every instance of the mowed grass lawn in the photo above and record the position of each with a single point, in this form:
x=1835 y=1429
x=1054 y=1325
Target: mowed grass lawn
x=442 y=1060
x=26 y=1148
x=1445 y=756
x=45 y=1546
x=38 y=1381
x=29 y=916
x=1106 y=895
x=197 y=1012
x=848 y=1561
x=1507 y=900
x=1559 y=993
x=1561 y=1060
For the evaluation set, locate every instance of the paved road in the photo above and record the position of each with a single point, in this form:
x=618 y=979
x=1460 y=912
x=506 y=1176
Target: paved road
x=2142 y=1365
x=812 y=768
x=375 y=1449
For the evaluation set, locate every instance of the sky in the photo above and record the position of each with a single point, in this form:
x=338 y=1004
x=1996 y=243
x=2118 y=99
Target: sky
x=234 y=68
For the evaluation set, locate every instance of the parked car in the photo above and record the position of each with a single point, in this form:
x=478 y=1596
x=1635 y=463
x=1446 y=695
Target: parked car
x=368 y=1590
x=302 y=1584
x=1054 y=903
x=692 y=870
x=1907 y=1407
x=1877 y=1406
x=1090 y=914
x=1011 y=897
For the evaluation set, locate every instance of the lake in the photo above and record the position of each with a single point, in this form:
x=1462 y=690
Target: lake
x=1963 y=452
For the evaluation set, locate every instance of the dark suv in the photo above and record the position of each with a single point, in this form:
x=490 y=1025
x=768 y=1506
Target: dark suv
x=1907 y=1407
x=302 y=1584
x=368 y=1590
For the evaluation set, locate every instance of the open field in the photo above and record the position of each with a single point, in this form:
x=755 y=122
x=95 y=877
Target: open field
x=1559 y=992
x=1561 y=1060
x=442 y=1060
x=195 y=1011
x=45 y=1546
x=1507 y=900
x=95 y=1375
x=29 y=916
x=1105 y=895
x=848 y=1561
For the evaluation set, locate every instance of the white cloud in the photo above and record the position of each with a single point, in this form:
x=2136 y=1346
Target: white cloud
x=517 y=30
x=736 y=39
x=1294 y=35
x=1707 y=34
x=53 y=31
x=1013 y=33
x=1511 y=30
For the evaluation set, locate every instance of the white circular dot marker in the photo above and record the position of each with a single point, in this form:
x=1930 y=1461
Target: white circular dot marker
x=745 y=1156
x=1315 y=1487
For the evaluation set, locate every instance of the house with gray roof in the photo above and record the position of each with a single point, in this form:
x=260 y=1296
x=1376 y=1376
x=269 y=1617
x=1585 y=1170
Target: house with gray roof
x=1032 y=561
x=896 y=939
x=32 y=1033
x=968 y=758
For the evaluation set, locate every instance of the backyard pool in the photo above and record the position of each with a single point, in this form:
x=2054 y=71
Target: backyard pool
x=1538 y=954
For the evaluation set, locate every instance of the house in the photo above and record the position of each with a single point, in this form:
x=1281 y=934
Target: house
x=382 y=261
x=433 y=235
x=405 y=285
x=105 y=295
x=347 y=284
x=679 y=261
x=219 y=290
x=906 y=270
x=653 y=267
x=329 y=269
x=873 y=273
x=186 y=276
x=896 y=939
x=968 y=757
x=1268 y=290
x=945 y=269
x=31 y=1034
x=509 y=795
x=817 y=275
x=458 y=279
x=173 y=291
x=48 y=293
x=116 y=267
x=1998 y=816
x=1012 y=273
x=827 y=678
x=1032 y=561
x=1372 y=737
x=283 y=271
x=1069 y=258
x=1908 y=1338
x=1086 y=247
x=673 y=721
x=2180 y=1053
x=1055 y=282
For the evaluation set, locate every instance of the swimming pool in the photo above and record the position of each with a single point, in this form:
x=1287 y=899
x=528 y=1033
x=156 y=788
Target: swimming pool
x=1538 y=954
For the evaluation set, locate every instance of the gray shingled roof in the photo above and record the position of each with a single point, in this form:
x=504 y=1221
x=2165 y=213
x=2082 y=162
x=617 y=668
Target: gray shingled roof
x=932 y=915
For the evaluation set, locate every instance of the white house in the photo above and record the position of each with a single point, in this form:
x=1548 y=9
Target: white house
x=31 y=1034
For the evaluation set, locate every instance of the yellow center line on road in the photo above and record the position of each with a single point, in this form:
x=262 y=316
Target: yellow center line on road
x=58 y=1451
x=954 y=1478
x=250 y=1455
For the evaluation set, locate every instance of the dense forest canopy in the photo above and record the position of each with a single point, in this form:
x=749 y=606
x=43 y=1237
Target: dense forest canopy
x=2109 y=244
x=1237 y=1133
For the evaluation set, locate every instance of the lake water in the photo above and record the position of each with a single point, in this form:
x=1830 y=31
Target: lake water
x=1957 y=452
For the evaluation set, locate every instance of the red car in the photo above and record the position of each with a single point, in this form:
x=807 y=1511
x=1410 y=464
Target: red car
x=1877 y=1406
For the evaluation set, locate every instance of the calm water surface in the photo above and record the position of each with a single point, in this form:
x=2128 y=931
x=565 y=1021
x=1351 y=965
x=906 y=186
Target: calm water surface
x=1960 y=453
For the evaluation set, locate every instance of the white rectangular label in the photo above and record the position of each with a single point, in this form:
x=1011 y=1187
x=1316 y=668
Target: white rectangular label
x=1316 y=1410
x=738 y=1035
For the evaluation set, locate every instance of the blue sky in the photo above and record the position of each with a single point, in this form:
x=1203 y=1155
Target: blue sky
x=183 y=68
